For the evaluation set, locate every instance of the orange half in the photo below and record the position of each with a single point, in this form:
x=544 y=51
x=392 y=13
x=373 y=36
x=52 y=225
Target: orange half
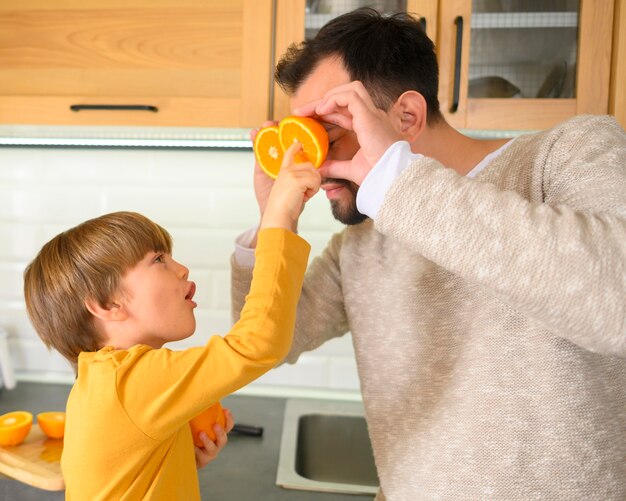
x=268 y=151
x=308 y=132
x=52 y=423
x=14 y=427
x=205 y=421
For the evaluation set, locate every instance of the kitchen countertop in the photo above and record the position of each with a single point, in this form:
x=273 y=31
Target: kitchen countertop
x=244 y=471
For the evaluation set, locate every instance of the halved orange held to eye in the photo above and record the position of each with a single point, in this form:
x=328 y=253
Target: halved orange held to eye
x=271 y=142
x=268 y=151
x=205 y=421
x=308 y=132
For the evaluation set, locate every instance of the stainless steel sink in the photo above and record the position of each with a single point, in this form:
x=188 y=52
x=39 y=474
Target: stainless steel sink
x=325 y=447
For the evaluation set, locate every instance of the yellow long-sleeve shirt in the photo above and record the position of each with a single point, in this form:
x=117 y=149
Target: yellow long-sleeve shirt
x=127 y=434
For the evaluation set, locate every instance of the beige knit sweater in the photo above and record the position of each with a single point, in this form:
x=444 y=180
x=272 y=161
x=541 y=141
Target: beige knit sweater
x=488 y=318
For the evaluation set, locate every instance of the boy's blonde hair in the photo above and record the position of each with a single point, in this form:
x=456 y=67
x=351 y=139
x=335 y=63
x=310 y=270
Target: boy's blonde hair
x=85 y=262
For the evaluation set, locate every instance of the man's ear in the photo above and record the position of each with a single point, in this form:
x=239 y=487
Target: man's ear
x=111 y=311
x=411 y=108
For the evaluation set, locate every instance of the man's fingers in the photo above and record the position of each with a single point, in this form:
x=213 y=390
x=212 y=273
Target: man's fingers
x=349 y=100
x=337 y=169
x=254 y=132
x=308 y=109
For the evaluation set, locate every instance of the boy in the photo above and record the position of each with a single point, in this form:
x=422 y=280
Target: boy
x=108 y=295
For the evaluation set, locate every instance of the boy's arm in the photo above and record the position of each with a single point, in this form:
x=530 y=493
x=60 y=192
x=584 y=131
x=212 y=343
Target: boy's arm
x=321 y=314
x=162 y=389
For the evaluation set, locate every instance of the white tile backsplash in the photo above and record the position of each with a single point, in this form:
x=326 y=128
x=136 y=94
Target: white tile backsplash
x=204 y=198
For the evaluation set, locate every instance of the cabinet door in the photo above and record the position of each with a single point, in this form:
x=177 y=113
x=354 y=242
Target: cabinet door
x=523 y=64
x=297 y=20
x=290 y=21
x=617 y=94
x=200 y=63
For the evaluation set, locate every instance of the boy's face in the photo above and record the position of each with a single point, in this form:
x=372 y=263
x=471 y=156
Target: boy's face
x=158 y=299
x=330 y=73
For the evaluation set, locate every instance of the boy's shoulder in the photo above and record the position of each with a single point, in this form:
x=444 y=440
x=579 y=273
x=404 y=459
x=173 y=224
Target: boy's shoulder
x=114 y=356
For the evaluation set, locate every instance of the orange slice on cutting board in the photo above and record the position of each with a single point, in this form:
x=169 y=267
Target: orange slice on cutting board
x=14 y=427
x=271 y=142
x=205 y=421
x=52 y=423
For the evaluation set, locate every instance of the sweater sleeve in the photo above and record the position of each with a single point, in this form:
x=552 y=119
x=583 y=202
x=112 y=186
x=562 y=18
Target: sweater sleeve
x=163 y=389
x=561 y=261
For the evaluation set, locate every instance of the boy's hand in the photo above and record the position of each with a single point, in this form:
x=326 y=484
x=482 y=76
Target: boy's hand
x=350 y=107
x=210 y=451
x=296 y=183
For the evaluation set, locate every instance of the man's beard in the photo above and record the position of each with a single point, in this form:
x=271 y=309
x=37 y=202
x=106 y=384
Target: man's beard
x=347 y=214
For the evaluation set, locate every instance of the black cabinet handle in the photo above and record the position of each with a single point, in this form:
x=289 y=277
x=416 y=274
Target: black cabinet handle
x=422 y=21
x=457 y=64
x=124 y=107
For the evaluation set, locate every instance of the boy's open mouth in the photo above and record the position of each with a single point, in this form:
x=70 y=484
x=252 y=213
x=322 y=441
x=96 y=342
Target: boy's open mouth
x=191 y=291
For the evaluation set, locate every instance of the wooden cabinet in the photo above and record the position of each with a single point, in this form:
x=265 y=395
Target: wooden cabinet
x=196 y=63
x=617 y=93
x=569 y=42
x=209 y=63
x=563 y=52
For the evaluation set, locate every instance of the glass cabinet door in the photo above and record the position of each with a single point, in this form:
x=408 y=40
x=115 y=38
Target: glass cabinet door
x=523 y=49
x=523 y=64
x=319 y=12
x=503 y=64
x=297 y=20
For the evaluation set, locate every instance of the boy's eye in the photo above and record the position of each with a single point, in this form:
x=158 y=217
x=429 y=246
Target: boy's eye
x=159 y=259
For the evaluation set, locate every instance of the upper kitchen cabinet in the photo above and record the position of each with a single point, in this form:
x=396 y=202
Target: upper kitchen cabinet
x=196 y=63
x=504 y=64
x=523 y=64
x=297 y=20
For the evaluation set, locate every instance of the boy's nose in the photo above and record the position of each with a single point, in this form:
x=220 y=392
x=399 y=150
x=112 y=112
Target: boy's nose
x=183 y=270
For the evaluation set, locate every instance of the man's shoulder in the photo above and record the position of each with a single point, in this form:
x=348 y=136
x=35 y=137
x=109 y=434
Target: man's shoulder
x=580 y=131
x=593 y=125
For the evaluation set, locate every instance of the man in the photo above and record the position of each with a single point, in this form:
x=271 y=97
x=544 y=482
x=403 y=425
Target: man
x=483 y=282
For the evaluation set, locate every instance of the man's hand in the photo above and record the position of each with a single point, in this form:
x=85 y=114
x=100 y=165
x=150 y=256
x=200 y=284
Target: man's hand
x=262 y=182
x=210 y=451
x=350 y=107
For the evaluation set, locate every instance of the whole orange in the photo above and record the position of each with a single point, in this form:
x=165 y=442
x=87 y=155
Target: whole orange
x=205 y=421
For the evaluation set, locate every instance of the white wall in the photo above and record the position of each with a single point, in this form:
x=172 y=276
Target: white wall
x=204 y=198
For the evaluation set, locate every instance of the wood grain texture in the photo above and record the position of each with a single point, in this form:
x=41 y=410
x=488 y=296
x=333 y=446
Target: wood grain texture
x=427 y=9
x=446 y=44
x=617 y=95
x=289 y=29
x=35 y=462
x=594 y=56
x=209 y=50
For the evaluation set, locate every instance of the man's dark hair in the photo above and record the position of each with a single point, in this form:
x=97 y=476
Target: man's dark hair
x=388 y=54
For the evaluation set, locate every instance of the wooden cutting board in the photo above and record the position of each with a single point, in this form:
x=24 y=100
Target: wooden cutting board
x=36 y=461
